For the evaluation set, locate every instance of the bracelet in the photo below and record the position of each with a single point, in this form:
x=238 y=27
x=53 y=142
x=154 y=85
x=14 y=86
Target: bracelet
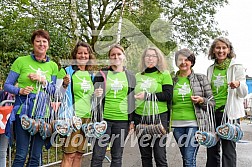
x=64 y=85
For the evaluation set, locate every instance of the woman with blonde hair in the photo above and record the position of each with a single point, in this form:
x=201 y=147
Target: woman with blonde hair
x=115 y=85
x=155 y=79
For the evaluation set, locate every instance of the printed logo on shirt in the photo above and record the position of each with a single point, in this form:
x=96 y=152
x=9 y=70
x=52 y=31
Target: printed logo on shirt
x=219 y=81
x=39 y=72
x=116 y=85
x=85 y=85
x=146 y=85
x=184 y=90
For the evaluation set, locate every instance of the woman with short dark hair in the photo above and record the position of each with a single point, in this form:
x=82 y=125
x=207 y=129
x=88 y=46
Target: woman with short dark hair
x=34 y=73
x=191 y=94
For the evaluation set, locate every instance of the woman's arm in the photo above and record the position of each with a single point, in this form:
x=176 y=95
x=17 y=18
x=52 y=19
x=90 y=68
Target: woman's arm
x=242 y=89
x=166 y=94
x=9 y=85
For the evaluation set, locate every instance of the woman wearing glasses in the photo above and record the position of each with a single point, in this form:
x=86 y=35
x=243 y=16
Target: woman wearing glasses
x=154 y=79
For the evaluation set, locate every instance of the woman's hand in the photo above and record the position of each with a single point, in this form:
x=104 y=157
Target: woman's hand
x=66 y=81
x=36 y=77
x=197 y=99
x=98 y=92
x=139 y=96
x=26 y=90
x=234 y=84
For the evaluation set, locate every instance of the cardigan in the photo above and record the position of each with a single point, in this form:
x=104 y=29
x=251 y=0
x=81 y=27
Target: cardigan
x=234 y=105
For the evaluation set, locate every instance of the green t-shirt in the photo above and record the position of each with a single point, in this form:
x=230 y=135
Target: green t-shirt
x=151 y=83
x=116 y=103
x=61 y=74
x=26 y=65
x=82 y=92
x=182 y=107
x=219 y=87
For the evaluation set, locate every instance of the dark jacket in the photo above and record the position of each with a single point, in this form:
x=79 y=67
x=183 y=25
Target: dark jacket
x=100 y=81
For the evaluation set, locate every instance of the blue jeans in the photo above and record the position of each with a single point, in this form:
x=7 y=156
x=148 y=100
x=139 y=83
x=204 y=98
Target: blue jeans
x=24 y=143
x=188 y=146
x=3 y=149
x=116 y=134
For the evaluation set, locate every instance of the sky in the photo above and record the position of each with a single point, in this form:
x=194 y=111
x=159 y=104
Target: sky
x=236 y=19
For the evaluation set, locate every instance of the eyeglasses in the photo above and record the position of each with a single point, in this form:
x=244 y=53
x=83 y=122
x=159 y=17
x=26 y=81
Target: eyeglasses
x=151 y=56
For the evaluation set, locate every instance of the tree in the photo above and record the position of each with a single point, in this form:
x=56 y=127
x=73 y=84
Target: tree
x=146 y=16
x=191 y=23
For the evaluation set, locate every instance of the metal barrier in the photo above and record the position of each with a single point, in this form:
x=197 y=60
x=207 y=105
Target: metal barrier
x=9 y=155
x=59 y=161
x=56 y=161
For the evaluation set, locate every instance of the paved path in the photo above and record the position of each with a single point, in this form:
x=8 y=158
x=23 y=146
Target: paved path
x=131 y=157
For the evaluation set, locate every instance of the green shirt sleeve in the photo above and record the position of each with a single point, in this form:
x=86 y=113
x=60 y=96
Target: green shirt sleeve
x=17 y=65
x=167 y=80
x=55 y=69
x=61 y=73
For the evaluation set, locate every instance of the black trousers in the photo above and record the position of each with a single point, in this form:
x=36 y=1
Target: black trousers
x=115 y=134
x=228 y=150
x=156 y=146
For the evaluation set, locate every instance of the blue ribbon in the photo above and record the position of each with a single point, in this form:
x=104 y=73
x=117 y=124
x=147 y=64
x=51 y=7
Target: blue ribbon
x=27 y=106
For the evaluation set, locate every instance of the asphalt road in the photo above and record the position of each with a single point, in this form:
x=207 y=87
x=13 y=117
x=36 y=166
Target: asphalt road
x=131 y=156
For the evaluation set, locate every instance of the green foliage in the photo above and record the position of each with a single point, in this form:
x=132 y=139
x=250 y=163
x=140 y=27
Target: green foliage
x=144 y=16
x=15 y=37
x=6 y=61
x=191 y=23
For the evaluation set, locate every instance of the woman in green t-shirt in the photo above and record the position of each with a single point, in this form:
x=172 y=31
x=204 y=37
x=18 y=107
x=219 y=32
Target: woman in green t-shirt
x=115 y=85
x=76 y=80
x=155 y=79
x=192 y=92
x=228 y=81
x=36 y=77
